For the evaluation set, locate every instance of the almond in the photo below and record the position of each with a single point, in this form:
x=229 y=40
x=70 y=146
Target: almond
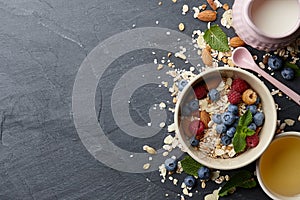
x=205 y=118
x=236 y=42
x=207 y=16
x=212 y=4
x=206 y=57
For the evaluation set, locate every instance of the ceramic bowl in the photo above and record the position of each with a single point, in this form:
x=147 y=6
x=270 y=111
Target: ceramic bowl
x=267 y=131
x=259 y=176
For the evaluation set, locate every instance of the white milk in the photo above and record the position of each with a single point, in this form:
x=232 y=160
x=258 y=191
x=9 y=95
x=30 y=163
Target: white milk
x=275 y=17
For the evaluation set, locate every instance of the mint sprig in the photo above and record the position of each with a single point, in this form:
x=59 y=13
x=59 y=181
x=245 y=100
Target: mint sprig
x=242 y=131
x=241 y=179
x=216 y=38
x=190 y=166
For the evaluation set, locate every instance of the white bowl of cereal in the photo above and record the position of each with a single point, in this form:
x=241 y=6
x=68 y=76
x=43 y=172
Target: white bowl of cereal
x=225 y=118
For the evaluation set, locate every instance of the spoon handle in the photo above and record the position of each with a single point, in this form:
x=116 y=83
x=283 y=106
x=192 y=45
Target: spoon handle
x=293 y=95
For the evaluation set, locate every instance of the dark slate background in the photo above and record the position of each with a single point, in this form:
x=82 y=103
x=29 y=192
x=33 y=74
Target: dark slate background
x=42 y=45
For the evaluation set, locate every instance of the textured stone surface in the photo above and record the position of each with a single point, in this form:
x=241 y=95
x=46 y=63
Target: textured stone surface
x=42 y=45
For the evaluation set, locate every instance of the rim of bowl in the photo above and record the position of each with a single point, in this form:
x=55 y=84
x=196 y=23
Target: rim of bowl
x=236 y=164
x=262 y=185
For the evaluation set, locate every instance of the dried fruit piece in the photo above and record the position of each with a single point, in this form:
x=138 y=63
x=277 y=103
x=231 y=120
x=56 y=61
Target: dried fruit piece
x=212 y=4
x=249 y=97
x=207 y=16
x=236 y=42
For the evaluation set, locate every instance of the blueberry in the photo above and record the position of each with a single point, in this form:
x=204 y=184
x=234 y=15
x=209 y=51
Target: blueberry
x=182 y=84
x=214 y=95
x=252 y=126
x=217 y=118
x=203 y=173
x=233 y=109
x=259 y=118
x=228 y=118
x=225 y=140
x=275 y=62
x=236 y=122
x=194 y=141
x=221 y=128
x=257 y=100
x=230 y=132
x=194 y=105
x=170 y=164
x=252 y=108
x=288 y=73
x=189 y=181
x=185 y=110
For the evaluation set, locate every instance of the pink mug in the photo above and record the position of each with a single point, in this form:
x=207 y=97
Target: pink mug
x=267 y=24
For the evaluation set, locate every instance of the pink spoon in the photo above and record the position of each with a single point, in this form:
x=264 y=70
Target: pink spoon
x=242 y=58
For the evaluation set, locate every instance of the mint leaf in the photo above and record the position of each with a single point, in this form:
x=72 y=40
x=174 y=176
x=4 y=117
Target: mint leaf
x=190 y=166
x=216 y=38
x=239 y=140
x=246 y=119
x=242 y=131
x=248 y=131
x=241 y=179
x=294 y=67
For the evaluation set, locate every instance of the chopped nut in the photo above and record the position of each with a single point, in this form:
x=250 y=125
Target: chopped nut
x=149 y=149
x=181 y=27
x=203 y=184
x=174 y=1
x=212 y=4
x=262 y=65
x=160 y=3
x=146 y=166
x=160 y=66
x=225 y=6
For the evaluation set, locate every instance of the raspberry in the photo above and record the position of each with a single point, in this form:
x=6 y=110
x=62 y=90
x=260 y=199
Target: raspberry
x=200 y=91
x=239 y=85
x=234 y=97
x=252 y=141
x=197 y=127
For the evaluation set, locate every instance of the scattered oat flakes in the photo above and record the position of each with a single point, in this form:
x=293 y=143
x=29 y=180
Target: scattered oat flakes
x=165 y=153
x=185 y=9
x=226 y=19
x=162 y=105
x=171 y=128
x=213 y=196
x=289 y=122
x=162 y=124
x=169 y=139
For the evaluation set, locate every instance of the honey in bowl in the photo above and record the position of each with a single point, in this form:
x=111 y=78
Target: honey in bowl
x=279 y=166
